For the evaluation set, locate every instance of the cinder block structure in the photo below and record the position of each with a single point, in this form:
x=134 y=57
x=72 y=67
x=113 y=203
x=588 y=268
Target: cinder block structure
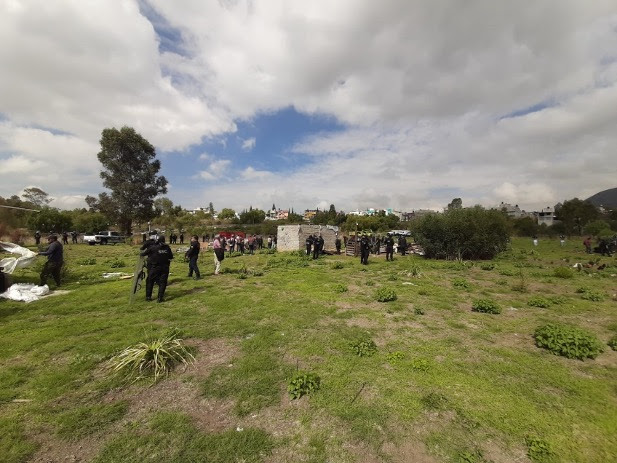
x=293 y=237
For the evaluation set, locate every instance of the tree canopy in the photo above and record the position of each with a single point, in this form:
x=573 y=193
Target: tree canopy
x=130 y=172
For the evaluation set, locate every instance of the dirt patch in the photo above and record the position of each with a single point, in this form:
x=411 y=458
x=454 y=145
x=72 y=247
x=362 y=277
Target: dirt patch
x=176 y=393
x=412 y=450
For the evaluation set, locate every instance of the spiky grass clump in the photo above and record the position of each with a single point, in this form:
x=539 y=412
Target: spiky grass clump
x=153 y=358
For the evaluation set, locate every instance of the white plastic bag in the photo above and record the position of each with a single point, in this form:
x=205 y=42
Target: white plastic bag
x=25 y=292
x=9 y=264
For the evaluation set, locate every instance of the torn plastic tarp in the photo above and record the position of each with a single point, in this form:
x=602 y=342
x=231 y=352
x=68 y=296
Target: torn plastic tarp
x=25 y=292
x=9 y=264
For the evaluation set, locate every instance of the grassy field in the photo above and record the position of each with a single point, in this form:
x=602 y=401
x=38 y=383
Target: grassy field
x=441 y=383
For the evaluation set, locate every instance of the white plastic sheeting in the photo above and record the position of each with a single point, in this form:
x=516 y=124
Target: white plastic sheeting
x=25 y=292
x=9 y=264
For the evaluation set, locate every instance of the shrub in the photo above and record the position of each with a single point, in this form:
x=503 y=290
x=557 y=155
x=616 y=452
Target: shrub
x=568 y=341
x=563 y=272
x=303 y=384
x=592 y=296
x=539 y=301
x=487 y=266
x=364 y=348
x=461 y=283
x=91 y=261
x=155 y=357
x=470 y=233
x=612 y=343
x=117 y=264
x=420 y=365
x=486 y=306
x=385 y=295
x=337 y=265
x=340 y=288
x=538 y=450
x=394 y=357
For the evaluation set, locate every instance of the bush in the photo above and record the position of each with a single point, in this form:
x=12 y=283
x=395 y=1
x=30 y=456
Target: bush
x=303 y=384
x=364 y=348
x=539 y=301
x=462 y=234
x=117 y=264
x=91 y=261
x=592 y=296
x=394 y=357
x=486 y=306
x=612 y=343
x=563 y=272
x=337 y=265
x=156 y=357
x=340 y=288
x=538 y=450
x=487 y=266
x=568 y=341
x=461 y=283
x=385 y=295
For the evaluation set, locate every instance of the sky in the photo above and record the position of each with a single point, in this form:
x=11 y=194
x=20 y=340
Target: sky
x=357 y=103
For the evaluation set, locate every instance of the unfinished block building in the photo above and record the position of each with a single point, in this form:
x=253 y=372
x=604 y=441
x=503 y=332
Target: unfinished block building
x=293 y=237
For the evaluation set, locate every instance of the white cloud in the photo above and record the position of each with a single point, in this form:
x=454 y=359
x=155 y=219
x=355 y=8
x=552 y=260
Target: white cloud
x=250 y=173
x=248 y=144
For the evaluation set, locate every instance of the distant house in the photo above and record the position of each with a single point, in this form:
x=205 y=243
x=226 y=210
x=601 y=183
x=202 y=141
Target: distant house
x=277 y=214
x=546 y=216
x=309 y=214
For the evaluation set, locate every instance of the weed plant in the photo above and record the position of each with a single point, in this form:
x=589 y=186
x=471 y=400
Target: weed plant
x=538 y=450
x=340 y=288
x=154 y=358
x=563 y=272
x=486 y=306
x=612 y=343
x=568 y=341
x=303 y=384
x=461 y=283
x=364 y=348
x=539 y=301
x=385 y=295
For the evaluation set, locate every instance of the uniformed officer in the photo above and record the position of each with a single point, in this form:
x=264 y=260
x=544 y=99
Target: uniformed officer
x=315 y=247
x=159 y=257
x=337 y=244
x=55 y=260
x=37 y=237
x=365 y=247
x=389 y=242
x=192 y=254
x=309 y=244
x=402 y=245
x=320 y=243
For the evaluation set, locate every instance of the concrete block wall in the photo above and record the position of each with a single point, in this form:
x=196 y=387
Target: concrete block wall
x=293 y=237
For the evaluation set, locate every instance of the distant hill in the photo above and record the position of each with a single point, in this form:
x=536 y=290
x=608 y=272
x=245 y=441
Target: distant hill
x=606 y=198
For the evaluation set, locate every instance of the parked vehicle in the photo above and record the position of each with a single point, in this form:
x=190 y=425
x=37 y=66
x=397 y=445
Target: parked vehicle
x=104 y=237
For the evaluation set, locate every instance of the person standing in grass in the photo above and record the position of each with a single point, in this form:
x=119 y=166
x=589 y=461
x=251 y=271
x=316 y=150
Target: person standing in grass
x=337 y=244
x=309 y=244
x=389 y=242
x=159 y=257
x=587 y=244
x=192 y=254
x=365 y=247
x=55 y=260
x=219 y=254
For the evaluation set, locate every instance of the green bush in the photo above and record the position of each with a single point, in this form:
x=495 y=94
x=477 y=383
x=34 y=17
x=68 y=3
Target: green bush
x=568 y=341
x=91 y=261
x=592 y=296
x=462 y=234
x=337 y=265
x=420 y=365
x=563 y=272
x=538 y=450
x=385 y=295
x=117 y=264
x=487 y=266
x=612 y=343
x=395 y=357
x=340 y=288
x=303 y=384
x=539 y=301
x=364 y=348
x=461 y=283
x=486 y=306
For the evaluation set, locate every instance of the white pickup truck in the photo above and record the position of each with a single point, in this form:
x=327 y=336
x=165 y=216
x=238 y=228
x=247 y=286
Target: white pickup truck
x=104 y=237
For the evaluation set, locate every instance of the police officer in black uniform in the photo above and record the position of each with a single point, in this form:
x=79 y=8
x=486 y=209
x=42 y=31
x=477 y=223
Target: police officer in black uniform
x=37 y=237
x=320 y=243
x=315 y=247
x=309 y=244
x=337 y=244
x=402 y=245
x=192 y=254
x=159 y=257
x=365 y=247
x=55 y=259
x=389 y=242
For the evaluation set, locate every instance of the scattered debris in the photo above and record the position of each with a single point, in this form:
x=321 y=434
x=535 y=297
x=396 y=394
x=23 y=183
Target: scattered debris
x=120 y=275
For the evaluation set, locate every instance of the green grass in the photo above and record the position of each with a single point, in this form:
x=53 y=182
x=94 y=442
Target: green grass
x=471 y=387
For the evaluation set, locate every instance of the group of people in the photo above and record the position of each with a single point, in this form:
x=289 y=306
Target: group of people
x=315 y=245
x=372 y=244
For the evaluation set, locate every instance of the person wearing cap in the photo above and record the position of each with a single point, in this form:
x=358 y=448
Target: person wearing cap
x=55 y=260
x=159 y=257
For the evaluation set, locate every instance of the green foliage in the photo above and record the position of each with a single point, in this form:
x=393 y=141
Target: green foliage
x=487 y=266
x=568 y=341
x=337 y=266
x=420 y=365
x=395 y=357
x=89 y=261
x=418 y=311
x=486 y=306
x=364 y=348
x=339 y=288
x=117 y=263
x=538 y=450
x=593 y=296
x=474 y=456
x=539 y=301
x=15 y=446
x=461 y=283
x=575 y=214
x=563 y=272
x=435 y=401
x=303 y=384
x=50 y=220
x=252 y=216
x=597 y=228
x=130 y=172
x=385 y=295
x=156 y=357
x=612 y=343
x=474 y=233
